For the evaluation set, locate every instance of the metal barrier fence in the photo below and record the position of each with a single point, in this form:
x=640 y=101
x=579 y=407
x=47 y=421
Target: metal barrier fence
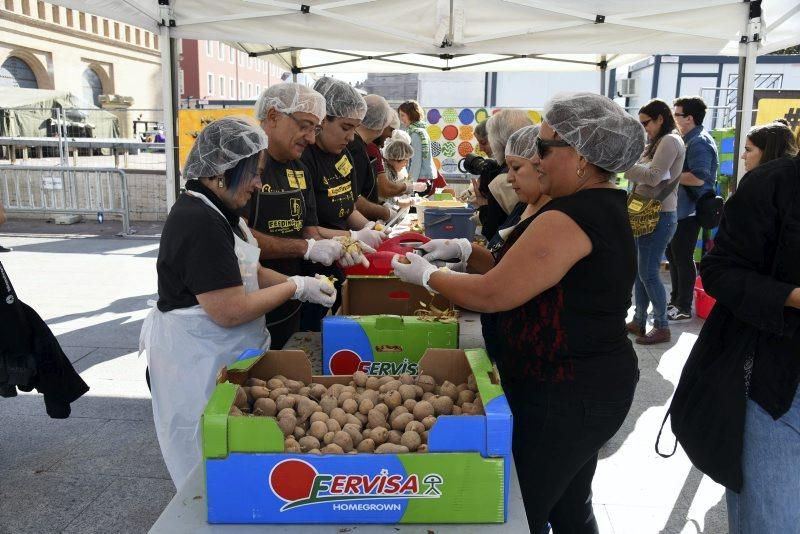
x=66 y=190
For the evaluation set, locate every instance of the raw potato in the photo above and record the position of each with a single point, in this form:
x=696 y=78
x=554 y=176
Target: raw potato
x=392 y=385
x=304 y=391
x=287 y=424
x=259 y=392
x=422 y=410
x=372 y=383
x=450 y=389
x=328 y=439
x=395 y=436
x=350 y=406
x=318 y=429
x=472 y=384
x=365 y=406
x=391 y=448
x=397 y=411
x=286 y=412
x=285 y=401
x=442 y=405
x=318 y=416
x=409 y=405
x=333 y=425
x=427 y=383
x=235 y=411
x=317 y=391
x=360 y=378
x=383 y=408
x=428 y=396
x=299 y=432
x=353 y=420
x=355 y=433
x=332 y=448
x=265 y=406
x=279 y=392
x=291 y=445
x=465 y=396
x=406 y=378
x=294 y=385
x=376 y=419
x=343 y=440
x=457 y=411
x=241 y=398
x=379 y=435
x=411 y=440
x=305 y=408
x=407 y=391
x=328 y=403
x=275 y=383
x=423 y=448
x=256 y=382
x=366 y=445
x=401 y=421
x=415 y=426
x=339 y=415
x=308 y=443
x=393 y=399
x=429 y=422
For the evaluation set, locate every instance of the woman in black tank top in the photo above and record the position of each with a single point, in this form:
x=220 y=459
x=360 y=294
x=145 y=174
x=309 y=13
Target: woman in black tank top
x=561 y=285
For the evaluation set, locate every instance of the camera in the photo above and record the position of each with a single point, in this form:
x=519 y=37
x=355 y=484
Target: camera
x=477 y=165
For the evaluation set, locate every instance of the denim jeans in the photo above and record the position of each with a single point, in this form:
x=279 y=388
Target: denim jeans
x=770 y=499
x=648 y=286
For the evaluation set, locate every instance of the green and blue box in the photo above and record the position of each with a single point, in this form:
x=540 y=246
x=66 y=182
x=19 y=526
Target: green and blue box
x=464 y=478
x=381 y=344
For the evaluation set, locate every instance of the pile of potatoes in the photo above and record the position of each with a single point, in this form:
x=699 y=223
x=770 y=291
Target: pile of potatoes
x=382 y=414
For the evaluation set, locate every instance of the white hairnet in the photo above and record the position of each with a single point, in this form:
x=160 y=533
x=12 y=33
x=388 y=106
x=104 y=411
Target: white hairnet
x=500 y=126
x=378 y=113
x=289 y=98
x=398 y=146
x=522 y=143
x=598 y=128
x=341 y=100
x=394 y=121
x=221 y=145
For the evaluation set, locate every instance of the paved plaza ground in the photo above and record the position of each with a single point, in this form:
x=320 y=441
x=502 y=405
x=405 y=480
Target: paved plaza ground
x=101 y=469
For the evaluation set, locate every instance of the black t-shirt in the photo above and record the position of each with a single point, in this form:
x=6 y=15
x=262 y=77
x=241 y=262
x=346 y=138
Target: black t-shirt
x=364 y=179
x=574 y=333
x=196 y=253
x=277 y=177
x=332 y=178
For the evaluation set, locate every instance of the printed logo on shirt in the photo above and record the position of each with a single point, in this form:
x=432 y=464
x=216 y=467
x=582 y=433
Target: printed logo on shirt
x=340 y=190
x=292 y=179
x=266 y=188
x=284 y=226
x=343 y=166
x=294 y=207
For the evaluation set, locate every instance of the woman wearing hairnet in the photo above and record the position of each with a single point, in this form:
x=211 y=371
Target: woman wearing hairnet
x=397 y=152
x=561 y=284
x=212 y=292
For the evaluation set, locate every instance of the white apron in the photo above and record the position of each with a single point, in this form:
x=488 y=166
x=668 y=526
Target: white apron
x=185 y=351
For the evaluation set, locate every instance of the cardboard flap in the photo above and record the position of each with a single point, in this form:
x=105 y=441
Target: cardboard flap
x=445 y=364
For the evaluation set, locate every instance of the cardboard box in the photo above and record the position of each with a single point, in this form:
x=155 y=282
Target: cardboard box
x=375 y=295
x=381 y=344
x=464 y=478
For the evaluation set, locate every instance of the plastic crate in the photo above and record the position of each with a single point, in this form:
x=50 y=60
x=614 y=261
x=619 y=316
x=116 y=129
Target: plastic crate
x=449 y=223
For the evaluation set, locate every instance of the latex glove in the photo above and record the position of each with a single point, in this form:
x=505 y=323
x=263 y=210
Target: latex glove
x=447 y=249
x=317 y=290
x=367 y=235
x=460 y=267
x=325 y=251
x=417 y=272
x=356 y=255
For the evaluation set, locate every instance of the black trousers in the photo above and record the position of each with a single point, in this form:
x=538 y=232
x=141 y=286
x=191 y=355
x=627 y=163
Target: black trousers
x=682 y=270
x=557 y=436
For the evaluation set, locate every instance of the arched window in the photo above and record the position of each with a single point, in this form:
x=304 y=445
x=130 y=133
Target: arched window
x=14 y=72
x=92 y=87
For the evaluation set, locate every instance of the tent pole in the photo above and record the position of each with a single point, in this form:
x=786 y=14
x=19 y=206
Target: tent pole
x=749 y=50
x=294 y=66
x=603 y=68
x=170 y=149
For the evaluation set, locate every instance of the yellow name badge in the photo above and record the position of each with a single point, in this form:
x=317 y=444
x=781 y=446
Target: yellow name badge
x=343 y=166
x=635 y=206
x=301 y=179
x=339 y=190
x=292 y=179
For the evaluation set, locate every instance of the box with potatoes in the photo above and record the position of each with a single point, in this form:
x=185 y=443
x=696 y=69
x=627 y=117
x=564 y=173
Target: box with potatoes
x=283 y=446
x=382 y=344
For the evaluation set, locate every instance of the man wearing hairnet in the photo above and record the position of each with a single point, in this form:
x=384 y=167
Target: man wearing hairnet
x=283 y=215
x=332 y=171
x=212 y=292
x=376 y=119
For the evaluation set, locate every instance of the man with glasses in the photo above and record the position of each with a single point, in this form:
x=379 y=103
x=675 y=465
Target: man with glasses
x=283 y=215
x=699 y=175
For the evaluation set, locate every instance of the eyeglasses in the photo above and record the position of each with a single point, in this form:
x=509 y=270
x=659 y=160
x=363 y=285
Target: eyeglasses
x=543 y=146
x=305 y=126
x=645 y=123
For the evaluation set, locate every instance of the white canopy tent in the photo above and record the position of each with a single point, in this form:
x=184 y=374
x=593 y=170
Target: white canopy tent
x=424 y=35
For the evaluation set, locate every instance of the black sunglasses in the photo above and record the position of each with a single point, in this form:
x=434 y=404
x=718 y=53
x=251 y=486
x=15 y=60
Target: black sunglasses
x=543 y=146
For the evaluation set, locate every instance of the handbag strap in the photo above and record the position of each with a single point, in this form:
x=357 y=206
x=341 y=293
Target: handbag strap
x=669 y=188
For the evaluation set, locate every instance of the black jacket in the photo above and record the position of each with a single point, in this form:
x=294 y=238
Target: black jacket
x=759 y=234
x=30 y=356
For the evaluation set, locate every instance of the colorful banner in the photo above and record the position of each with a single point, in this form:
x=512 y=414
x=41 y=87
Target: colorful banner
x=452 y=133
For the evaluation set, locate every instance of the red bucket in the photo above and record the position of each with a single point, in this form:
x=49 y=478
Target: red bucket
x=703 y=302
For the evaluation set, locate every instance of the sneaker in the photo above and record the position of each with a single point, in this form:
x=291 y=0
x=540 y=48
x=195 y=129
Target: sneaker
x=4 y=249
x=671 y=308
x=678 y=316
x=635 y=328
x=656 y=335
